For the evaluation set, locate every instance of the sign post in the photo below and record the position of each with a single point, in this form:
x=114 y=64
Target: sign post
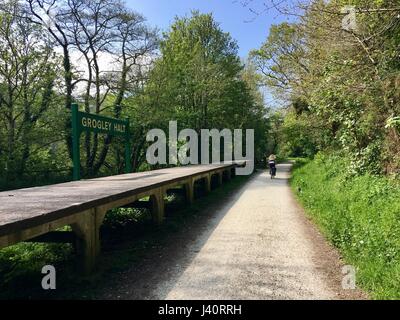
x=82 y=121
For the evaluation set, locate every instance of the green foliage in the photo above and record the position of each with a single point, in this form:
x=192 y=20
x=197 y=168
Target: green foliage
x=360 y=216
x=32 y=120
x=118 y=218
x=343 y=84
x=21 y=265
x=197 y=66
x=200 y=82
x=299 y=137
x=393 y=122
x=295 y=133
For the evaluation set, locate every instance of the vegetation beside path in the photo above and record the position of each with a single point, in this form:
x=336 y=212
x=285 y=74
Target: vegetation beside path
x=359 y=215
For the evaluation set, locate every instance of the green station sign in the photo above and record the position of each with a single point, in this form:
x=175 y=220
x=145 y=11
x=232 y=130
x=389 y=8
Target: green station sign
x=87 y=122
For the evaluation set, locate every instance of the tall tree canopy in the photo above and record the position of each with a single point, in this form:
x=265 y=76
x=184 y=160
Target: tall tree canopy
x=200 y=81
x=343 y=80
x=52 y=53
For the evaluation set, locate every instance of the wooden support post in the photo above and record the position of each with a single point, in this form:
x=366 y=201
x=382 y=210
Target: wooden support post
x=233 y=172
x=189 y=191
x=100 y=215
x=207 y=183
x=87 y=231
x=87 y=245
x=228 y=174
x=157 y=206
x=220 y=178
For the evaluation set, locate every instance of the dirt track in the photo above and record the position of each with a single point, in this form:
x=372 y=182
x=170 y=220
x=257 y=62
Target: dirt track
x=257 y=245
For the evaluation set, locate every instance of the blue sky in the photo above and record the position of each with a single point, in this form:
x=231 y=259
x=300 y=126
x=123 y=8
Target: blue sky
x=250 y=33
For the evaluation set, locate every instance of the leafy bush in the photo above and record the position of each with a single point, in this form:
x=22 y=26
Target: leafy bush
x=21 y=265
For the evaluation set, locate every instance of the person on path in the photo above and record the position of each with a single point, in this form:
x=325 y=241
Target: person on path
x=272 y=165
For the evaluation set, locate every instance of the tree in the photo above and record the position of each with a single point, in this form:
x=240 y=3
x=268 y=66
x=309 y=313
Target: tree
x=344 y=78
x=28 y=75
x=115 y=45
x=199 y=80
x=133 y=46
x=54 y=17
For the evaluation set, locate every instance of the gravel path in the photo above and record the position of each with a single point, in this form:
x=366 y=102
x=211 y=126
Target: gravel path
x=258 y=245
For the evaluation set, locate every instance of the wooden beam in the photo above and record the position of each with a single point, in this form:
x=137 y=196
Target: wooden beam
x=158 y=207
x=139 y=205
x=176 y=191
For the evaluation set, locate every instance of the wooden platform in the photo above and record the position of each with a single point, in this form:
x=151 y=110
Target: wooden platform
x=33 y=212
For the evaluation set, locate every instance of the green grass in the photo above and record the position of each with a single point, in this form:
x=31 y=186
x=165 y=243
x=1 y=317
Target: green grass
x=128 y=235
x=360 y=215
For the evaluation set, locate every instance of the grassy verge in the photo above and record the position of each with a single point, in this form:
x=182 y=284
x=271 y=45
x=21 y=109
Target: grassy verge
x=128 y=235
x=359 y=215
